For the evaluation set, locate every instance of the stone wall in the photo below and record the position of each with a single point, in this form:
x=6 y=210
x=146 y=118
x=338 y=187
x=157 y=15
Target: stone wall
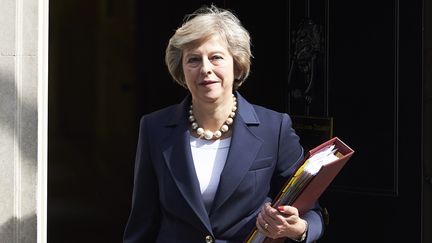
x=23 y=82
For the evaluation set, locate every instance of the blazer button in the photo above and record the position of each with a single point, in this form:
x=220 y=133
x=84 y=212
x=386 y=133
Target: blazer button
x=209 y=239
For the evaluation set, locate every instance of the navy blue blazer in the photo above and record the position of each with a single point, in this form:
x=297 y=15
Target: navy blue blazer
x=167 y=205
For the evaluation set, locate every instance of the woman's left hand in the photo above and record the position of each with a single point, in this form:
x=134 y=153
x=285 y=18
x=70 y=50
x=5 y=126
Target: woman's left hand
x=281 y=222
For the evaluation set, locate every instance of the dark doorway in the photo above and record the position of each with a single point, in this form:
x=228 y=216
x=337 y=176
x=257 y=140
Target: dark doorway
x=93 y=113
x=107 y=69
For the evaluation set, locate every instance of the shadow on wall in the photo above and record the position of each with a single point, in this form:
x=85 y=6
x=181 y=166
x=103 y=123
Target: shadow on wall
x=25 y=228
x=18 y=122
x=8 y=115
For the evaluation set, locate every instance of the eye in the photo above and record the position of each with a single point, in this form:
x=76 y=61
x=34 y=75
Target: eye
x=193 y=60
x=217 y=57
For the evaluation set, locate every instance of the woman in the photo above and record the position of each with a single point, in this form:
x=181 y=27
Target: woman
x=207 y=168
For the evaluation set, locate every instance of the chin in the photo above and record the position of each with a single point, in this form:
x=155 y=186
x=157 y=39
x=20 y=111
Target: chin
x=213 y=95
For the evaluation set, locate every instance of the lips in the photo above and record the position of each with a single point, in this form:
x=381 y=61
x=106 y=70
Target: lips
x=208 y=82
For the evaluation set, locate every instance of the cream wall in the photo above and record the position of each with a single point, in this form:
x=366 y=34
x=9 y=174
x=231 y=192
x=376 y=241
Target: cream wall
x=23 y=120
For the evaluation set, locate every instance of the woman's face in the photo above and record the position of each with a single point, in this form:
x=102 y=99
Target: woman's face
x=209 y=70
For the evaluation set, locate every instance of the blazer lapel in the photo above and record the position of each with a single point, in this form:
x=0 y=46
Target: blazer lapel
x=243 y=150
x=178 y=157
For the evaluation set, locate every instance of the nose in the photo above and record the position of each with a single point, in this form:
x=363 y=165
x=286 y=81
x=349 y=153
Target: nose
x=206 y=67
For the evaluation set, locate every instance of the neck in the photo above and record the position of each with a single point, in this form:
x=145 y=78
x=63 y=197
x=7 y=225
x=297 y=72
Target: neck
x=216 y=119
x=212 y=115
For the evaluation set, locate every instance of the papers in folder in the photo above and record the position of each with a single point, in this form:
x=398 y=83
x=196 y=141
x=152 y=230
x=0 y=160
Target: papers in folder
x=302 y=190
x=305 y=173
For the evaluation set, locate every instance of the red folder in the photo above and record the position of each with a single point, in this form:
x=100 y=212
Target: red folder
x=315 y=186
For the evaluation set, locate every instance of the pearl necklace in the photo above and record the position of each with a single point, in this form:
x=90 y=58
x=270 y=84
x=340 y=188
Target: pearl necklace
x=207 y=134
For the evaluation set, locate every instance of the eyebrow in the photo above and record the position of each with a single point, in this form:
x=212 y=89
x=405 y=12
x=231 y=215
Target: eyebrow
x=192 y=53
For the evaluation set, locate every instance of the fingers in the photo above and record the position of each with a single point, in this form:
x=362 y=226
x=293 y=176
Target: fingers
x=281 y=222
x=291 y=214
x=262 y=225
x=288 y=210
x=275 y=217
x=283 y=216
x=269 y=216
x=270 y=219
x=264 y=221
x=270 y=223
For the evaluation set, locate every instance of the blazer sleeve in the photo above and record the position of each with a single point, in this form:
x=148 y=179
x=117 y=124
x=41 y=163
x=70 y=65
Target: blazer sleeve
x=290 y=150
x=144 y=218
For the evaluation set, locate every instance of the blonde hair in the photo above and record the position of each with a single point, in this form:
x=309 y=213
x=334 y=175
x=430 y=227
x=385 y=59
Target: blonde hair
x=203 y=24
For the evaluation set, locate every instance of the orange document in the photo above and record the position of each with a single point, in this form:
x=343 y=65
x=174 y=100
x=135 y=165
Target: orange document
x=320 y=166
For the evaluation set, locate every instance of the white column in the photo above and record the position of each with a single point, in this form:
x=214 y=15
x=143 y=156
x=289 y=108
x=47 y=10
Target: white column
x=23 y=120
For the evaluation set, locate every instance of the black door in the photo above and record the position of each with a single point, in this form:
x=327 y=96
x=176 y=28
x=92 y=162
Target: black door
x=367 y=80
x=365 y=66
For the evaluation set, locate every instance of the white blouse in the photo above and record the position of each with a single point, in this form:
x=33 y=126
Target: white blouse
x=209 y=158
